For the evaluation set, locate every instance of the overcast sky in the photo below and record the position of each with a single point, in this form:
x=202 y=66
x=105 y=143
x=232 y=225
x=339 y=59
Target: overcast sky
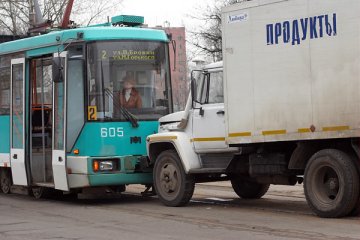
x=156 y=12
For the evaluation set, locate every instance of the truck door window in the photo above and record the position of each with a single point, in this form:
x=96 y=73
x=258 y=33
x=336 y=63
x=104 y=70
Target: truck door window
x=216 y=89
x=202 y=89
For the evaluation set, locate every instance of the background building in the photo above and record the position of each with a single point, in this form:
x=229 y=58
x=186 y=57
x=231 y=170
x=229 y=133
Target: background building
x=179 y=77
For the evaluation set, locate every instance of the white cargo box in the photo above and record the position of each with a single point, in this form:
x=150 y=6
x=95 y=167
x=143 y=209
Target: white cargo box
x=291 y=70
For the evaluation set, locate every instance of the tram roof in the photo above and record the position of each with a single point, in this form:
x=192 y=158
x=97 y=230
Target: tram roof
x=89 y=34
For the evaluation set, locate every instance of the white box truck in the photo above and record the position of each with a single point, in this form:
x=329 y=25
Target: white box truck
x=285 y=111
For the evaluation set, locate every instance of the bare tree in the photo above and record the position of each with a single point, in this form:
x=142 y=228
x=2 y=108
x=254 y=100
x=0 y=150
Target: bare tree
x=207 y=37
x=53 y=10
x=90 y=11
x=15 y=14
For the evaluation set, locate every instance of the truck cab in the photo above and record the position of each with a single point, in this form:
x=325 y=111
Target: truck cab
x=190 y=146
x=208 y=109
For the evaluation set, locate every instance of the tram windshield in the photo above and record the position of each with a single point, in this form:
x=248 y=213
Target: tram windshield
x=128 y=78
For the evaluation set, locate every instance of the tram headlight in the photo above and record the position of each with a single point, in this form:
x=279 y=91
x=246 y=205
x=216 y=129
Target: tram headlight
x=102 y=165
x=106 y=166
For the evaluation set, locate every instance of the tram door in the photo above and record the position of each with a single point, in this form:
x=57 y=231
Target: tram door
x=59 y=122
x=48 y=115
x=17 y=122
x=41 y=122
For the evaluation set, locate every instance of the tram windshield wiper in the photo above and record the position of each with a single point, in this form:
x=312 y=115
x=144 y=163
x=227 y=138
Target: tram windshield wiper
x=127 y=115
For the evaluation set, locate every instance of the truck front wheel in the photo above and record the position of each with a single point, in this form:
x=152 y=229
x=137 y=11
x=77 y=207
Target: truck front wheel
x=173 y=187
x=331 y=183
x=247 y=189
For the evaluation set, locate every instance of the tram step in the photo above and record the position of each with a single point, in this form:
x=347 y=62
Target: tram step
x=19 y=190
x=45 y=184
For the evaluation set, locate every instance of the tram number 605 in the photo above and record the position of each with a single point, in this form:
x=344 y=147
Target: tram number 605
x=112 y=132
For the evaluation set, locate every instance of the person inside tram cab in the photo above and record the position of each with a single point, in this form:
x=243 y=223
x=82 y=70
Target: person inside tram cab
x=129 y=96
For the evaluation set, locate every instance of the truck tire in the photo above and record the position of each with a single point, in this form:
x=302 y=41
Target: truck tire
x=173 y=187
x=5 y=180
x=331 y=183
x=356 y=211
x=248 y=189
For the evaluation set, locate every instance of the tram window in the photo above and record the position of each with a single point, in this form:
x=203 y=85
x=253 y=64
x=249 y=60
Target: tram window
x=5 y=75
x=130 y=75
x=4 y=92
x=43 y=82
x=5 y=85
x=75 y=117
x=76 y=52
x=57 y=70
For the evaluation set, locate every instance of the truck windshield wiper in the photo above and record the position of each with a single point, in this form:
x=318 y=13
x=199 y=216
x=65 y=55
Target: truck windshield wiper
x=127 y=115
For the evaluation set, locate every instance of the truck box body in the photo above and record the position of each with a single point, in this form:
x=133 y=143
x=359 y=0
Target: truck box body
x=291 y=70
x=291 y=109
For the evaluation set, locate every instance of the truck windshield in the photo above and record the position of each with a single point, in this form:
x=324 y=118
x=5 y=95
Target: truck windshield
x=128 y=77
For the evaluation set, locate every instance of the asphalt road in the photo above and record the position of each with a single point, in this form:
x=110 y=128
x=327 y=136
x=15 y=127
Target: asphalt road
x=214 y=213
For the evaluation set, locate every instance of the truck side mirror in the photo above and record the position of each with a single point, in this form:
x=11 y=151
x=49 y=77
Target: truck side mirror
x=57 y=70
x=193 y=91
x=193 y=86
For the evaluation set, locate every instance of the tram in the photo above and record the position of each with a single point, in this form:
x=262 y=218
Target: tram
x=63 y=124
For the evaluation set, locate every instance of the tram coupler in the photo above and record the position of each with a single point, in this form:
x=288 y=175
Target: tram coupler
x=149 y=191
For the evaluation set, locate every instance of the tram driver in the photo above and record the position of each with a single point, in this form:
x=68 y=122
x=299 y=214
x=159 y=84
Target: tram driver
x=129 y=96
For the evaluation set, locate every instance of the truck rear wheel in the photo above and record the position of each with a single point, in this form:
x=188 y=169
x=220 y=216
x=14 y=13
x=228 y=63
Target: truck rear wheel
x=5 y=180
x=172 y=185
x=249 y=190
x=331 y=183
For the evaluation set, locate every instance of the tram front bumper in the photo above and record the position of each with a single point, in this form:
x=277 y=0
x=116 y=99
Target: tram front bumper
x=82 y=171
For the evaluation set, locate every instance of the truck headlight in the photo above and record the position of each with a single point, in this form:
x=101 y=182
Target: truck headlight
x=169 y=127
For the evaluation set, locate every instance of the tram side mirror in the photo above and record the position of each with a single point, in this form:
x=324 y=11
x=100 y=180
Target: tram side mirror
x=57 y=70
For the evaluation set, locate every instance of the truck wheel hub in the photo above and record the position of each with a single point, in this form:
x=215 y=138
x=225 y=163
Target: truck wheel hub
x=333 y=184
x=169 y=178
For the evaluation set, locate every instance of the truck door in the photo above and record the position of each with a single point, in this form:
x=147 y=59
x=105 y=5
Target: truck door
x=209 y=115
x=17 y=122
x=59 y=122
